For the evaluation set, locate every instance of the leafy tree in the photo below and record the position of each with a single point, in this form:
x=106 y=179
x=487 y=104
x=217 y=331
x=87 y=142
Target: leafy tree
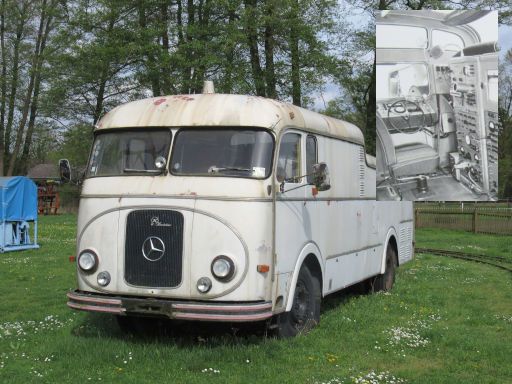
x=505 y=137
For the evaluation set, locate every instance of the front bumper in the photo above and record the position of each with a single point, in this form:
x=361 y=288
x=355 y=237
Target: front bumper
x=173 y=309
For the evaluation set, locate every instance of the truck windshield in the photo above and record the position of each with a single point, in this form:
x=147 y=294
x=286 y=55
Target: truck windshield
x=222 y=152
x=128 y=152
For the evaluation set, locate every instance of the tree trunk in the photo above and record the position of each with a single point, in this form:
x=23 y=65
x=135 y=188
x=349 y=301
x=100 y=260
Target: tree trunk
x=150 y=60
x=3 y=86
x=203 y=17
x=370 y=112
x=230 y=55
x=104 y=76
x=187 y=38
x=270 y=73
x=294 y=52
x=100 y=98
x=28 y=96
x=15 y=68
x=164 y=63
x=252 y=39
x=22 y=165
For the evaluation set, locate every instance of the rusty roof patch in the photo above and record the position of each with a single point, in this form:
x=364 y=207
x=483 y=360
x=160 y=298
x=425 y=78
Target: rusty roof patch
x=214 y=110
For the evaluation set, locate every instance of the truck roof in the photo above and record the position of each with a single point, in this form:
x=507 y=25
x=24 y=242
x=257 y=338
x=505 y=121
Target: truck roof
x=221 y=110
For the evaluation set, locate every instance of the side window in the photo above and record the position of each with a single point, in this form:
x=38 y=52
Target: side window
x=288 y=162
x=311 y=156
x=447 y=41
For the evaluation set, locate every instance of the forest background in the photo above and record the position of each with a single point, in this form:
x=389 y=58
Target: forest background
x=64 y=63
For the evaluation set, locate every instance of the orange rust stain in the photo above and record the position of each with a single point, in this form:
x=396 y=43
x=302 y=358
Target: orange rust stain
x=183 y=97
x=159 y=101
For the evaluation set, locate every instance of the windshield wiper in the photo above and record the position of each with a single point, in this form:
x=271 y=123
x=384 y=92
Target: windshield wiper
x=152 y=171
x=214 y=169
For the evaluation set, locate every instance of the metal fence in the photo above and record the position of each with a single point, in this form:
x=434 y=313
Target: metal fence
x=471 y=218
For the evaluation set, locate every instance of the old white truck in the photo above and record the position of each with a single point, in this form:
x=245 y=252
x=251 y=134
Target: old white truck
x=231 y=208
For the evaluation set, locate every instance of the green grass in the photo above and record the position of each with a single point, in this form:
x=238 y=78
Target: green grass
x=454 y=240
x=460 y=311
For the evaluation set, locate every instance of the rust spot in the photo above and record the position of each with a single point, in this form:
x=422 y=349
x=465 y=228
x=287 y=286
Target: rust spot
x=183 y=97
x=292 y=115
x=159 y=101
x=193 y=193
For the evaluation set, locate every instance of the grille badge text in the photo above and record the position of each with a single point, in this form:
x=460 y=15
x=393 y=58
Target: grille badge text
x=155 y=222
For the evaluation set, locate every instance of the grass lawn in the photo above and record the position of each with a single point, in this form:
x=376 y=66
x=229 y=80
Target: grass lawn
x=446 y=321
x=493 y=245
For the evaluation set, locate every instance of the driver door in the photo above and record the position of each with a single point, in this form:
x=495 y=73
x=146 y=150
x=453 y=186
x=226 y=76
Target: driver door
x=291 y=213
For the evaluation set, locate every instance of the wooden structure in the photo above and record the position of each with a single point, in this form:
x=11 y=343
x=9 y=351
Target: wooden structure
x=47 y=179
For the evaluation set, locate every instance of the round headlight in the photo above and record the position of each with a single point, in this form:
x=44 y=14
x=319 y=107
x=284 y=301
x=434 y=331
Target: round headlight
x=204 y=284
x=103 y=278
x=87 y=261
x=223 y=268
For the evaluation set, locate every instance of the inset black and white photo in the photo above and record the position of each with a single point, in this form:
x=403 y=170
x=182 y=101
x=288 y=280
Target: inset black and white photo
x=437 y=105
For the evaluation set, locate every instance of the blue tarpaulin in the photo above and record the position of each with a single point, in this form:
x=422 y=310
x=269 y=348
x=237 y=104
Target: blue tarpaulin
x=18 y=199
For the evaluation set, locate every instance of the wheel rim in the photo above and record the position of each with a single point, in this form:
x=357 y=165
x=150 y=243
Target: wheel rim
x=301 y=304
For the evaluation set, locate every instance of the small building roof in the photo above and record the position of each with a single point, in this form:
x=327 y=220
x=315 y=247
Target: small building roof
x=221 y=110
x=44 y=171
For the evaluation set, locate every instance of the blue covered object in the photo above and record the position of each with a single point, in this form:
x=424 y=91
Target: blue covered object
x=18 y=199
x=18 y=209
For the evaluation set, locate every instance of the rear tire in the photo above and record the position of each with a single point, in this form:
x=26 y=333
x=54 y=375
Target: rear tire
x=385 y=281
x=305 y=312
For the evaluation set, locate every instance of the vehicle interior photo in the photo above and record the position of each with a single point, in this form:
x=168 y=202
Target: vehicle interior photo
x=437 y=105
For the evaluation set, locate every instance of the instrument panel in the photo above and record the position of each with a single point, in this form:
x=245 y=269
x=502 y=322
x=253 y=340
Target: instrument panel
x=400 y=115
x=492 y=128
x=477 y=132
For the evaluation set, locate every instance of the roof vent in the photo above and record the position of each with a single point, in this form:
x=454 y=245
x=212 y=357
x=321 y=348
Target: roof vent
x=208 y=87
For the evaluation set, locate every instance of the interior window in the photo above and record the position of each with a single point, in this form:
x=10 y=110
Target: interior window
x=288 y=163
x=401 y=80
x=311 y=157
x=492 y=85
x=400 y=36
x=447 y=41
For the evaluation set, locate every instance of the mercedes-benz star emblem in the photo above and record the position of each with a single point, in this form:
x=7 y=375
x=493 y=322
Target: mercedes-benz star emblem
x=153 y=248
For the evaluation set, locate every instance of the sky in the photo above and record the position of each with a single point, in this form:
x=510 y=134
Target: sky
x=485 y=26
x=505 y=39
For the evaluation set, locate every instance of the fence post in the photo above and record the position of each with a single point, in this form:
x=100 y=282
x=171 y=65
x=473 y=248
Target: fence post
x=416 y=216
x=474 y=226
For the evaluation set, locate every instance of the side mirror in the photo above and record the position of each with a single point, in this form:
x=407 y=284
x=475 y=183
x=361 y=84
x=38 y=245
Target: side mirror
x=321 y=177
x=64 y=170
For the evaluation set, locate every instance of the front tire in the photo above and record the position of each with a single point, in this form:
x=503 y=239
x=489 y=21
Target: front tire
x=385 y=281
x=305 y=312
